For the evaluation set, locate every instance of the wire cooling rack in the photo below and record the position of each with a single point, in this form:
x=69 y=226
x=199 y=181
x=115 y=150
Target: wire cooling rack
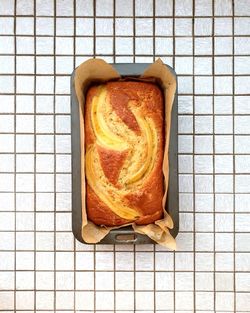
x=42 y=267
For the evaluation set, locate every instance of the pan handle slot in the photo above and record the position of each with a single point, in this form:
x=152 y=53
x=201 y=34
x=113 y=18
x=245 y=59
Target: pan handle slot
x=126 y=238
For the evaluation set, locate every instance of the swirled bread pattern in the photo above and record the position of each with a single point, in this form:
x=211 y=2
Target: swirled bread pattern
x=124 y=152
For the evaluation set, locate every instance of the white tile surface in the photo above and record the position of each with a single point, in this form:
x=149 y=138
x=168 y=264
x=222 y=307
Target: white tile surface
x=7 y=201
x=224 y=262
x=25 y=280
x=204 y=202
x=144 y=300
x=25 y=25
x=183 y=26
x=24 y=104
x=204 y=183
x=25 y=201
x=204 y=281
x=25 y=7
x=25 y=300
x=204 y=242
x=183 y=46
x=224 y=281
x=223 y=164
x=25 y=45
x=223 y=26
x=214 y=203
x=242 y=46
x=7 y=163
x=223 y=144
x=203 y=27
x=124 y=300
x=204 y=300
x=203 y=144
x=241 y=202
x=224 y=183
x=225 y=301
x=223 y=45
x=44 y=281
x=184 y=301
x=25 y=64
x=203 y=164
x=44 y=241
x=183 y=8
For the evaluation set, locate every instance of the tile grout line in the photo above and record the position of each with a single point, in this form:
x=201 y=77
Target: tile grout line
x=94 y=28
x=54 y=137
x=213 y=157
x=133 y=31
x=182 y=134
x=134 y=250
x=181 y=94
x=122 y=16
x=122 y=36
x=114 y=60
x=183 y=173
x=120 y=55
x=140 y=290
x=74 y=66
x=234 y=163
x=174 y=252
x=193 y=164
x=181 y=212
x=144 y=271
x=126 y=55
x=35 y=69
x=154 y=250
x=94 y=50
x=233 y=274
x=15 y=159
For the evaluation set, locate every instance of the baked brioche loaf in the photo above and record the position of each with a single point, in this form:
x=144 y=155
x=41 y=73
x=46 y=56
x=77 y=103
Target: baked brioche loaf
x=124 y=153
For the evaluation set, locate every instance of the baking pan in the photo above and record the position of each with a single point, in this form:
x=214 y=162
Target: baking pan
x=123 y=235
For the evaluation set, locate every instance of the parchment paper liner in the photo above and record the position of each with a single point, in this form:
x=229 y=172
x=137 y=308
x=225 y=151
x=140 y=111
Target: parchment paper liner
x=98 y=70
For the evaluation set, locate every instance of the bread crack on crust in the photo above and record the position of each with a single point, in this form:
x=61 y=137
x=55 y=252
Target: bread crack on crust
x=124 y=151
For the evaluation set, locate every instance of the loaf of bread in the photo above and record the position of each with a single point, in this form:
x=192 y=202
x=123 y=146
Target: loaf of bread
x=124 y=141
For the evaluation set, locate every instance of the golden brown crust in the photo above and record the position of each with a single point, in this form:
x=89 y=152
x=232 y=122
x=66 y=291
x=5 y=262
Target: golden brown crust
x=111 y=163
x=133 y=177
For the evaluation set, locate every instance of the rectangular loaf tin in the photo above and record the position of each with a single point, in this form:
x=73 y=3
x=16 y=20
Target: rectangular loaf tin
x=123 y=235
